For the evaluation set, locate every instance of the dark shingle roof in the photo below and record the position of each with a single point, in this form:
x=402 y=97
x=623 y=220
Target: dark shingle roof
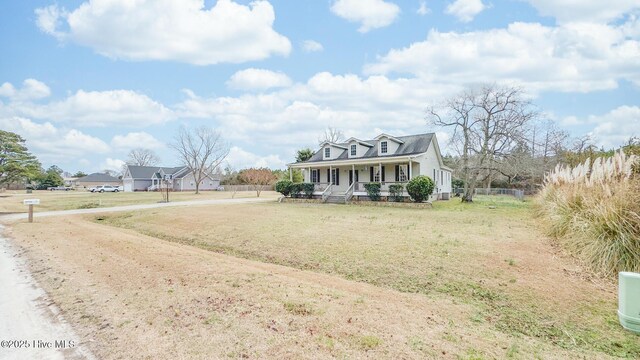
x=146 y=172
x=98 y=177
x=413 y=144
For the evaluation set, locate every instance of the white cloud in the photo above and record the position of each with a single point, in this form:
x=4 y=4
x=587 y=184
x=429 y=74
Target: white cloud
x=49 y=19
x=240 y=159
x=371 y=14
x=54 y=144
x=612 y=129
x=465 y=10
x=311 y=46
x=87 y=108
x=112 y=164
x=32 y=89
x=174 y=30
x=571 y=57
x=423 y=9
x=258 y=79
x=135 y=140
x=282 y=121
x=585 y=10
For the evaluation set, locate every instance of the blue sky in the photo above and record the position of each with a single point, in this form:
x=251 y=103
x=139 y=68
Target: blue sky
x=86 y=81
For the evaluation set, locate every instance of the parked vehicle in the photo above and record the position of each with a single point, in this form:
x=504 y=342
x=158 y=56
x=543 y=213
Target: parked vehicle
x=63 y=188
x=104 y=188
x=220 y=188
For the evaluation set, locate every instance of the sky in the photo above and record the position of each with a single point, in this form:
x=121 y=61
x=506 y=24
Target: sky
x=84 y=82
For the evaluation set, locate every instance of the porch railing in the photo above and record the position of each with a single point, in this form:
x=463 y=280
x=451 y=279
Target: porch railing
x=349 y=193
x=385 y=185
x=320 y=186
x=326 y=193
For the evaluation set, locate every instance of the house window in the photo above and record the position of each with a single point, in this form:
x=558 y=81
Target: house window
x=383 y=147
x=402 y=173
x=315 y=175
x=353 y=150
x=376 y=174
x=327 y=152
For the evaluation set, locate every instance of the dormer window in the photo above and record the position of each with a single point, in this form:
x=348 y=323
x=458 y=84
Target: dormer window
x=383 y=147
x=353 y=149
x=327 y=152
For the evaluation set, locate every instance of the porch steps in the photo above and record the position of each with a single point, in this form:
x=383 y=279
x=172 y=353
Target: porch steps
x=336 y=199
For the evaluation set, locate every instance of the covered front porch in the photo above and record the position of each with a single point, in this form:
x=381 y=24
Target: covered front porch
x=349 y=179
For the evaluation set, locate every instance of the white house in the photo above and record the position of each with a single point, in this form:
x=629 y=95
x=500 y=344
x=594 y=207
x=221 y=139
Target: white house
x=149 y=178
x=341 y=169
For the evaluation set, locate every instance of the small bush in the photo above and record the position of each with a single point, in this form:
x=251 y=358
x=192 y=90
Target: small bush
x=296 y=189
x=396 y=192
x=307 y=189
x=420 y=188
x=284 y=187
x=373 y=191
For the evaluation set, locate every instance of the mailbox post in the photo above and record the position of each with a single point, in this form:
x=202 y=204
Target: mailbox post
x=31 y=202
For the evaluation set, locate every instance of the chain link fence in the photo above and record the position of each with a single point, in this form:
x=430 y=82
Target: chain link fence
x=518 y=194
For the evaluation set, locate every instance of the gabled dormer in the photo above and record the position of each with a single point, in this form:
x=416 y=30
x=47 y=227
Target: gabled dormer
x=387 y=144
x=331 y=151
x=357 y=148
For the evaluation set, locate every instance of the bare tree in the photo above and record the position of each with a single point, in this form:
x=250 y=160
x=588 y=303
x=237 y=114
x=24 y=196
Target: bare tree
x=487 y=124
x=143 y=157
x=111 y=172
x=258 y=178
x=331 y=135
x=202 y=150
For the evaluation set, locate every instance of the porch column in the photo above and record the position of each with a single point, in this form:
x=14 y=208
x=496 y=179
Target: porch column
x=309 y=174
x=410 y=168
x=379 y=173
x=330 y=175
x=290 y=174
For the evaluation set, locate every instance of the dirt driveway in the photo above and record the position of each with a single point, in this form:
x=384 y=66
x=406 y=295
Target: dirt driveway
x=29 y=321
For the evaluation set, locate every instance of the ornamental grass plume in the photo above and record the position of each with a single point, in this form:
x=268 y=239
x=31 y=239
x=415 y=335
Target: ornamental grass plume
x=593 y=210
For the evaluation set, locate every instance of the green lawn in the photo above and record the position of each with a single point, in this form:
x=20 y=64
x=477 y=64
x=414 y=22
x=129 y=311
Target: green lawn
x=489 y=255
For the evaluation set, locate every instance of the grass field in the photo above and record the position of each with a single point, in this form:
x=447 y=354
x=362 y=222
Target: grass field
x=11 y=202
x=466 y=281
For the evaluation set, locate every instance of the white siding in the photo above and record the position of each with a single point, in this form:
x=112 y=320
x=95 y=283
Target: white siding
x=392 y=146
x=335 y=152
x=360 y=150
x=189 y=184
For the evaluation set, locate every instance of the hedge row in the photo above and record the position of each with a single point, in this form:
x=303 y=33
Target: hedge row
x=294 y=190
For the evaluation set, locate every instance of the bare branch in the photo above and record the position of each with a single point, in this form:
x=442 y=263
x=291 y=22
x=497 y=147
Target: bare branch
x=202 y=150
x=143 y=157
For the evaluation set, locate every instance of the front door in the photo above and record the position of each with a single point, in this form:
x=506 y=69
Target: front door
x=351 y=176
x=335 y=177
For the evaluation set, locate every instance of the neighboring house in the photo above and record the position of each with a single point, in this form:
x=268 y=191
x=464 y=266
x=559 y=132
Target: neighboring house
x=342 y=169
x=149 y=178
x=97 y=179
x=70 y=181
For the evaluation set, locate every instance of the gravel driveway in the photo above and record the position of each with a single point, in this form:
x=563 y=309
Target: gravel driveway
x=12 y=217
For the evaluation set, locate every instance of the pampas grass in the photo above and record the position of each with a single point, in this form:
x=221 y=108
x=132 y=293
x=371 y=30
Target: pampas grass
x=593 y=210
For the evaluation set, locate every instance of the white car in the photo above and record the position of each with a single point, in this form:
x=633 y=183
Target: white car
x=104 y=188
